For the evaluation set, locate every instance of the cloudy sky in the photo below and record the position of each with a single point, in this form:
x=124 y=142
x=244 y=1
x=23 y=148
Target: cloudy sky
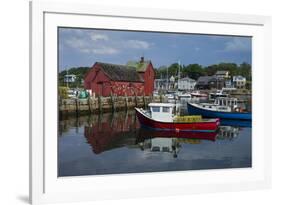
x=83 y=47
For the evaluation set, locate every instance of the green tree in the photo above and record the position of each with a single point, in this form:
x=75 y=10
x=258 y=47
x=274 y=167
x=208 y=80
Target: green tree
x=193 y=71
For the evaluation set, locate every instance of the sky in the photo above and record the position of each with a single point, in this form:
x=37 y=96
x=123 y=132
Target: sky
x=83 y=47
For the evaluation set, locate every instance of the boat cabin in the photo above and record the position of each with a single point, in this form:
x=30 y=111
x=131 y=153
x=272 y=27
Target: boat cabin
x=222 y=101
x=221 y=104
x=162 y=111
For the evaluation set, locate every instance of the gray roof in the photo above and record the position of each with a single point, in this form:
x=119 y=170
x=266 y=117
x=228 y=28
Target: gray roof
x=187 y=78
x=204 y=80
x=221 y=72
x=160 y=80
x=120 y=72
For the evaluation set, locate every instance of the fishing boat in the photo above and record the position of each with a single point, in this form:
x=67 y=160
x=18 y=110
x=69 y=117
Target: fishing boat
x=170 y=97
x=216 y=94
x=225 y=108
x=184 y=97
x=199 y=94
x=160 y=117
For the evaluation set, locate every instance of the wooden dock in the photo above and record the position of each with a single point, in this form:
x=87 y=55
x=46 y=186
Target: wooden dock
x=72 y=107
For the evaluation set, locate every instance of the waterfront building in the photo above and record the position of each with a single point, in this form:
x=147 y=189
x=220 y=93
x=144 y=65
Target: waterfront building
x=69 y=78
x=228 y=83
x=133 y=79
x=239 y=81
x=186 y=84
x=164 y=84
x=161 y=84
x=222 y=74
x=209 y=82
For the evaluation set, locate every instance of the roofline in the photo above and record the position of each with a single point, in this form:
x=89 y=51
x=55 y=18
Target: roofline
x=161 y=104
x=140 y=81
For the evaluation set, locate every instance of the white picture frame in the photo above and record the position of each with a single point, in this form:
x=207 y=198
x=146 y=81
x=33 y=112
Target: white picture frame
x=46 y=187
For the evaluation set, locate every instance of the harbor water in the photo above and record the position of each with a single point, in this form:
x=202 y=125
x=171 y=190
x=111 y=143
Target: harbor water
x=114 y=143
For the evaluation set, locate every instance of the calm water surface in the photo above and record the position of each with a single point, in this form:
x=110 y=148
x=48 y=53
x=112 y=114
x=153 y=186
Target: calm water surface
x=115 y=143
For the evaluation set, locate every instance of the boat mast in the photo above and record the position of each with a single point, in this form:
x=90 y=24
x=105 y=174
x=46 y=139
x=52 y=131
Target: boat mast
x=179 y=73
x=66 y=77
x=167 y=81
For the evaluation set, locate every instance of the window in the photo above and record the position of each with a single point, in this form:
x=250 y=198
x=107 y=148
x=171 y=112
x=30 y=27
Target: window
x=155 y=109
x=166 y=109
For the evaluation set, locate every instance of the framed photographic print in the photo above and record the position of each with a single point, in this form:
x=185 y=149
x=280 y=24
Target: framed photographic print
x=129 y=102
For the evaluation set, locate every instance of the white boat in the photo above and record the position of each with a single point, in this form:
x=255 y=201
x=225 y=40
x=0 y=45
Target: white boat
x=72 y=93
x=218 y=93
x=170 y=97
x=184 y=97
x=199 y=94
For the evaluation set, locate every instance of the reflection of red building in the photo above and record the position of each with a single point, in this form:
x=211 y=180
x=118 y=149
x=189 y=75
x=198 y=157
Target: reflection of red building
x=136 y=78
x=111 y=131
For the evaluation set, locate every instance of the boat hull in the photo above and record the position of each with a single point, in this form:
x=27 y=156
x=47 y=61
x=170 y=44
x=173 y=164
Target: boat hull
x=208 y=126
x=193 y=110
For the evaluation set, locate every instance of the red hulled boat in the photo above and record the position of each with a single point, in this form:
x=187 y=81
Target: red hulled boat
x=160 y=117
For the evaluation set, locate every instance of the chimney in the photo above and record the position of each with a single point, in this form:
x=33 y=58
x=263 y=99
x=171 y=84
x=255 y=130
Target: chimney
x=142 y=59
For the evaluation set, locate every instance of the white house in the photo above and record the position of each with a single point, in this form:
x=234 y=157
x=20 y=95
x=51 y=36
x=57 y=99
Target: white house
x=164 y=84
x=160 y=84
x=239 y=81
x=222 y=74
x=186 y=84
x=228 y=83
x=69 y=78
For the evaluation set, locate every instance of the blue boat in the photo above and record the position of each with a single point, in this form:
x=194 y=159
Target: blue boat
x=236 y=123
x=223 y=108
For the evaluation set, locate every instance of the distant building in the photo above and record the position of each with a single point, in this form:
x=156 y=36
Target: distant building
x=222 y=74
x=186 y=84
x=164 y=84
x=105 y=79
x=228 y=83
x=172 y=84
x=161 y=84
x=69 y=78
x=239 y=81
x=209 y=82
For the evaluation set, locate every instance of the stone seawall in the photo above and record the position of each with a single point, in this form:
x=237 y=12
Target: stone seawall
x=68 y=107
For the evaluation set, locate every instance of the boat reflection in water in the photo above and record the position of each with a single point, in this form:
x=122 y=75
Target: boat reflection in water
x=165 y=141
x=114 y=143
x=104 y=135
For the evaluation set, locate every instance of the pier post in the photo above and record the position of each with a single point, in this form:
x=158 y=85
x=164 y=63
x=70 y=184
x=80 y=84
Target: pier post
x=126 y=102
x=76 y=106
x=136 y=101
x=90 y=104
x=112 y=102
x=144 y=101
x=99 y=104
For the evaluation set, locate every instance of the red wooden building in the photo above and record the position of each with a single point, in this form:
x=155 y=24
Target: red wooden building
x=135 y=78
